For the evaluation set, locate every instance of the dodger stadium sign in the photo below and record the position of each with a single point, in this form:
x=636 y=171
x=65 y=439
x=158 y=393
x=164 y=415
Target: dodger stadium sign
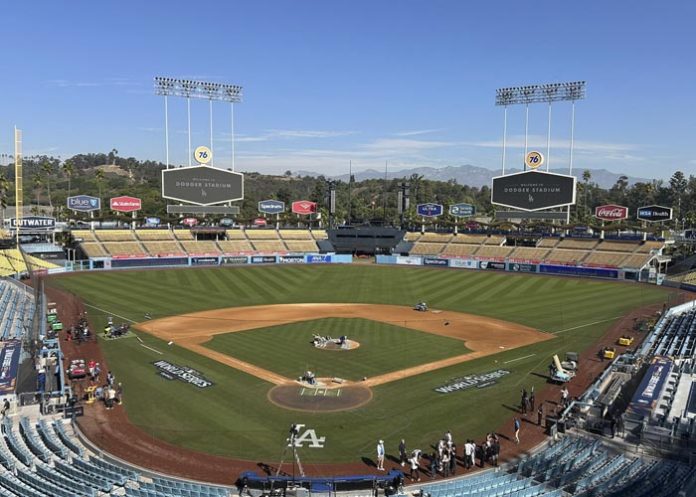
x=173 y=372
x=471 y=381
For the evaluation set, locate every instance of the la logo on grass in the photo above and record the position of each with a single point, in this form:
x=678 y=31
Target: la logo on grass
x=306 y=436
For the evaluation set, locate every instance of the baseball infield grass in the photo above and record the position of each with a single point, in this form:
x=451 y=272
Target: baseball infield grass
x=235 y=418
x=383 y=348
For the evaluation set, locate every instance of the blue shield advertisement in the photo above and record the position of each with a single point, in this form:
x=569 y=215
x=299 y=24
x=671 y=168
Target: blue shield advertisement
x=462 y=210
x=84 y=203
x=271 y=206
x=429 y=210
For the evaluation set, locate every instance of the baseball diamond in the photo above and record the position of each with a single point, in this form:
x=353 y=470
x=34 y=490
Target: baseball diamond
x=248 y=331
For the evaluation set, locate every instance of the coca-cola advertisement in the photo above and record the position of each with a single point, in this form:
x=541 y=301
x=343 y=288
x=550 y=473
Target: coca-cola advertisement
x=611 y=212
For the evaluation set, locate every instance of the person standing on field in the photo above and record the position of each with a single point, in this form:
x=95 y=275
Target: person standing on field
x=380 y=455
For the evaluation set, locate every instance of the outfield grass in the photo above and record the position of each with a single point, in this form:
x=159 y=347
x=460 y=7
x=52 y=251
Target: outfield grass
x=286 y=349
x=234 y=417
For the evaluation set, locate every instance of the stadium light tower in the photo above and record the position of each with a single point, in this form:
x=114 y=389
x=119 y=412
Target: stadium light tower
x=189 y=89
x=545 y=93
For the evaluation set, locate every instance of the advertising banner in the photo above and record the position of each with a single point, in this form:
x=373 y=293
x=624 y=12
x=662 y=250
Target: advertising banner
x=189 y=221
x=84 y=203
x=263 y=259
x=462 y=210
x=153 y=221
x=204 y=261
x=318 y=259
x=499 y=266
x=202 y=185
x=579 y=271
x=125 y=204
x=239 y=259
x=611 y=212
x=654 y=213
x=533 y=190
x=522 y=267
x=464 y=263
x=409 y=260
x=9 y=366
x=435 y=261
x=648 y=393
x=33 y=223
x=291 y=259
x=271 y=206
x=304 y=207
x=429 y=210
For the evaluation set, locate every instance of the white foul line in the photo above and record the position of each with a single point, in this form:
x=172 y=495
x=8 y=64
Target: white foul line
x=150 y=348
x=519 y=358
x=584 y=325
x=107 y=312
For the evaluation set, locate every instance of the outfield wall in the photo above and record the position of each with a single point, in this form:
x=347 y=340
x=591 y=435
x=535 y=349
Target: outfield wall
x=515 y=267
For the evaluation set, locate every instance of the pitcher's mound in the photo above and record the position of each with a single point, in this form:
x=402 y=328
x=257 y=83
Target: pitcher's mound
x=320 y=399
x=349 y=345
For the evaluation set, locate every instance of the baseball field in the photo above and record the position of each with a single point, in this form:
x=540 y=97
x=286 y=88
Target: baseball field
x=248 y=331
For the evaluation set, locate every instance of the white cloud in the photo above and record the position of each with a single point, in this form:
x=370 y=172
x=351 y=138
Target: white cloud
x=539 y=141
x=275 y=134
x=418 y=132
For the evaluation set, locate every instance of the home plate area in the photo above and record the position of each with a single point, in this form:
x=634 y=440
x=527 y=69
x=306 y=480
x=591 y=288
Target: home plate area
x=320 y=398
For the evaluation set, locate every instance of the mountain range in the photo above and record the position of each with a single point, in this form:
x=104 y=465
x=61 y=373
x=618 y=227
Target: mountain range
x=475 y=176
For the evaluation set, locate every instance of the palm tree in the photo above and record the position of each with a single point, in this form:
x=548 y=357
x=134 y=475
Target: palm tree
x=99 y=176
x=112 y=156
x=68 y=169
x=586 y=177
x=4 y=189
x=47 y=169
x=37 y=182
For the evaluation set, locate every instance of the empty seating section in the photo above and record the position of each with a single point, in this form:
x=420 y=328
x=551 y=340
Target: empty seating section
x=125 y=249
x=460 y=249
x=296 y=235
x=235 y=235
x=154 y=235
x=436 y=237
x=577 y=243
x=261 y=235
x=636 y=261
x=301 y=246
x=646 y=247
x=494 y=240
x=548 y=242
x=421 y=248
x=468 y=238
x=674 y=336
x=162 y=248
x=115 y=235
x=605 y=258
x=235 y=246
x=16 y=308
x=67 y=470
x=412 y=237
x=202 y=247
x=610 y=246
x=529 y=253
x=183 y=235
x=12 y=262
x=494 y=251
x=269 y=246
x=94 y=249
x=84 y=235
x=320 y=234
x=566 y=256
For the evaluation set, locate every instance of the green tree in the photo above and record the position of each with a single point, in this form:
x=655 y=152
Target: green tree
x=99 y=178
x=47 y=170
x=37 y=182
x=68 y=170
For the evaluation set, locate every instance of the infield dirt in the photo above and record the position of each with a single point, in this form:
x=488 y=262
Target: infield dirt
x=482 y=335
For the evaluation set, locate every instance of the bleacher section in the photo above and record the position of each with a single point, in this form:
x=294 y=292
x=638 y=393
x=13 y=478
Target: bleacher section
x=529 y=253
x=44 y=458
x=673 y=336
x=16 y=305
x=577 y=467
x=166 y=243
x=13 y=262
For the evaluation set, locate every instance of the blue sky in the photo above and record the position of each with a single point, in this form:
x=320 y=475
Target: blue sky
x=408 y=82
